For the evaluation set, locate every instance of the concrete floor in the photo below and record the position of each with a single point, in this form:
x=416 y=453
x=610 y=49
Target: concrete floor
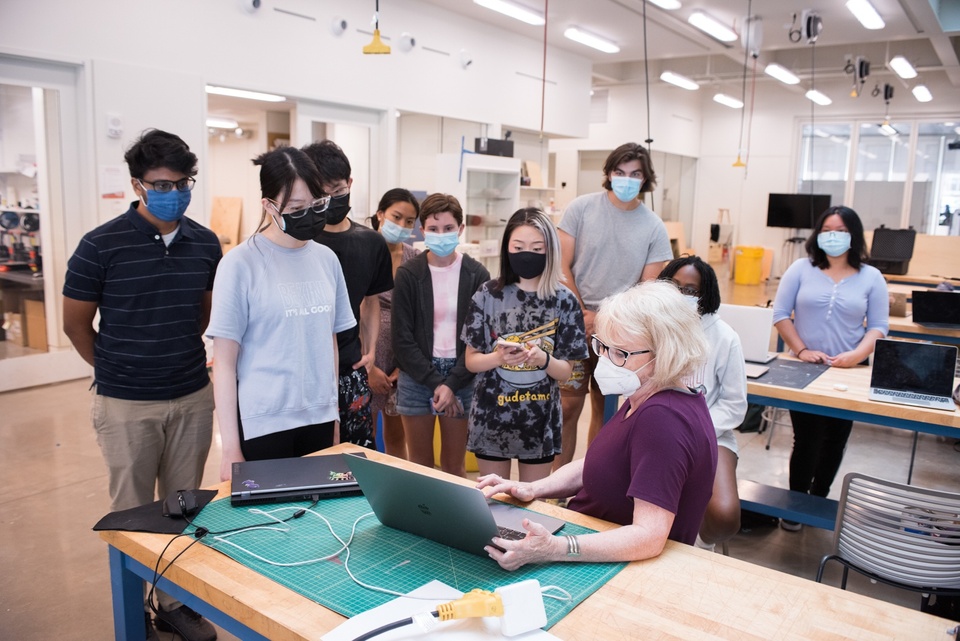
x=54 y=581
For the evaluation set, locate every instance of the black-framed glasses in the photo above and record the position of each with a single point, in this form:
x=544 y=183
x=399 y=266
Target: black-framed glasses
x=686 y=290
x=616 y=355
x=318 y=206
x=164 y=186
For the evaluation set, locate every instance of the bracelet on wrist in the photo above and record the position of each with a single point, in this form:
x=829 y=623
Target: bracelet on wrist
x=546 y=362
x=801 y=351
x=573 y=546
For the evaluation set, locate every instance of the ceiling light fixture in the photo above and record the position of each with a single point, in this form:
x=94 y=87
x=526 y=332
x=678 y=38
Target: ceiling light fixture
x=902 y=67
x=679 y=81
x=728 y=101
x=866 y=14
x=243 y=93
x=818 y=98
x=887 y=129
x=669 y=5
x=712 y=27
x=221 y=123
x=922 y=94
x=514 y=11
x=781 y=73
x=600 y=44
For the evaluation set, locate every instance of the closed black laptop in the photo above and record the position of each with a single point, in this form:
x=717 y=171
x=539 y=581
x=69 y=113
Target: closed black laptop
x=291 y=479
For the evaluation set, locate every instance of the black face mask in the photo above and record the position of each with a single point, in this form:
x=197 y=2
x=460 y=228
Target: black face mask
x=303 y=224
x=527 y=264
x=338 y=209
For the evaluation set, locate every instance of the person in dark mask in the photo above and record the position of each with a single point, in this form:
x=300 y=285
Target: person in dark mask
x=522 y=331
x=149 y=273
x=278 y=301
x=368 y=269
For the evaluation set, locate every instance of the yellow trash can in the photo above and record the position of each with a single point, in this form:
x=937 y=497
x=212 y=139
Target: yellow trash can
x=747 y=266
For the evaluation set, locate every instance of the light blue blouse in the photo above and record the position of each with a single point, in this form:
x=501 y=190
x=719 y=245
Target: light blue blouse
x=829 y=316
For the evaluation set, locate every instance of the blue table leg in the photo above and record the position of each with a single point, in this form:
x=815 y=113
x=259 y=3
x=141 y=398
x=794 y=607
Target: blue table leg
x=126 y=581
x=127 y=588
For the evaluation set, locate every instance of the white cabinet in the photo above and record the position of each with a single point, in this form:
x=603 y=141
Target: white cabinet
x=488 y=188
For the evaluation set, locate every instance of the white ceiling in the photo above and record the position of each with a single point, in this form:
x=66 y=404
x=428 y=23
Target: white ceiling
x=912 y=29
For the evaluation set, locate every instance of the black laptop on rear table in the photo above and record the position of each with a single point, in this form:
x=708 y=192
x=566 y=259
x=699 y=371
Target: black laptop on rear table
x=936 y=309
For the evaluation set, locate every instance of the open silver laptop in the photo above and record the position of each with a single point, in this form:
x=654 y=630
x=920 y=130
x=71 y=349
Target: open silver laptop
x=910 y=373
x=449 y=513
x=753 y=325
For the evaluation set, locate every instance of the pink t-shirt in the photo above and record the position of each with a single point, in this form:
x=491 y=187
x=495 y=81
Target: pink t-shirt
x=446 y=284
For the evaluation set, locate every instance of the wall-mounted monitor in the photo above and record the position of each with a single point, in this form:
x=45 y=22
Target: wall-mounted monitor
x=796 y=211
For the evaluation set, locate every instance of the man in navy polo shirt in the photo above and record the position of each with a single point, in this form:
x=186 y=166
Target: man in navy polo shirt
x=149 y=273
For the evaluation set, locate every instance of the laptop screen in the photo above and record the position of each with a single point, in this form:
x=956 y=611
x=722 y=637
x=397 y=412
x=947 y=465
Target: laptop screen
x=753 y=325
x=921 y=368
x=933 y=306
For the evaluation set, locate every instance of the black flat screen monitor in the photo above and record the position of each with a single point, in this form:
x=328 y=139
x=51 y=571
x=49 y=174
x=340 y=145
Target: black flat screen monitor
x=796 y=211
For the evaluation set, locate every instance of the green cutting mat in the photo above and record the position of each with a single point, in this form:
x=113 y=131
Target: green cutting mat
x=379 y=556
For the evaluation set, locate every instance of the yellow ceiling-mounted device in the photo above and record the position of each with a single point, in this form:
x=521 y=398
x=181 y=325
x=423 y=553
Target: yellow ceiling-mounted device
x=376 y=45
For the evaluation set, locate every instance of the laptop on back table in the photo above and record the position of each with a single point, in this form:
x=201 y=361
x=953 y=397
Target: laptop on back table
x=291 y=479
x=909 y=373
x=448 y=513
x=936 y=309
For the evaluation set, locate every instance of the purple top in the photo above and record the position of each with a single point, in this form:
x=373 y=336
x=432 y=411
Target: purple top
x=665 y=453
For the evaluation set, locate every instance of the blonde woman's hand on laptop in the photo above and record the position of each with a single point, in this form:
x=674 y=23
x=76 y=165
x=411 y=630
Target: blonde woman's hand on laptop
x=539 y=546
x=494 y=484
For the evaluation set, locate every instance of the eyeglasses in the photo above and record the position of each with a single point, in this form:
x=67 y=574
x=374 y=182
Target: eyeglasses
x=318 y=206
x=164 y=186
x=340 y=192
x=616 y=355
x=686 y=290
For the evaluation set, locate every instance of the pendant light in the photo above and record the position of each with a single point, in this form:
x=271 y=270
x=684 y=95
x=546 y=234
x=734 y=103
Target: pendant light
x=376 y=45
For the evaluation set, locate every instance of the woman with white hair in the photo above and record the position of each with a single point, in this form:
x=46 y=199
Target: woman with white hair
x=651 y=468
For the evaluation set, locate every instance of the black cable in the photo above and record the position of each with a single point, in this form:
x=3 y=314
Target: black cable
x=198 y=534
x=646 y=72
x=743 y=86
x=156 y=577
x=390 y=626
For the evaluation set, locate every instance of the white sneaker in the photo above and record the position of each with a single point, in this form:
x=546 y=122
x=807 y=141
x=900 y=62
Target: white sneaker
x=700 y=543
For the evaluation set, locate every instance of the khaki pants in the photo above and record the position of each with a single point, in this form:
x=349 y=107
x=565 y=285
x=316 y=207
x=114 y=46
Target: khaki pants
x=153 y=446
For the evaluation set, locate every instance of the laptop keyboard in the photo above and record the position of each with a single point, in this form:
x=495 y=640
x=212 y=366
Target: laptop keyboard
x=508 y=534
x=912 y=396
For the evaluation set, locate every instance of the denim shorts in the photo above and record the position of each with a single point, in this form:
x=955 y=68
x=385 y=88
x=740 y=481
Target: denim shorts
x=413 y=399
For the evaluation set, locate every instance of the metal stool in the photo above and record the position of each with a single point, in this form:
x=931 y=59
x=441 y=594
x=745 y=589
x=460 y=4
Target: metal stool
x=769 y=419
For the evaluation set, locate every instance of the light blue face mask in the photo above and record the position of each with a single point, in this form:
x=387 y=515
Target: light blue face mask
x=442 y=244
x=167 y=206
x=834 y=243
x=626 y=189
x=394 y=233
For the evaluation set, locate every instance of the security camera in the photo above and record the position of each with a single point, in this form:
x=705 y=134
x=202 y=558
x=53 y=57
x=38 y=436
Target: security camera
x=338 y=26
x=251 y=6
x=465 y=58
x=407 y=41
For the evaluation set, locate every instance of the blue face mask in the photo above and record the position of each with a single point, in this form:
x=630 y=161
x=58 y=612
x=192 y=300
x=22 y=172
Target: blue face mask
x=167 y=206
x=834 y=243
x=626 y=189
x=442 y=244
x=394 y=233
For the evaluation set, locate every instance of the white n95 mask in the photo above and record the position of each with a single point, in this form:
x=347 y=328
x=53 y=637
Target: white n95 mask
x=615 y=380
